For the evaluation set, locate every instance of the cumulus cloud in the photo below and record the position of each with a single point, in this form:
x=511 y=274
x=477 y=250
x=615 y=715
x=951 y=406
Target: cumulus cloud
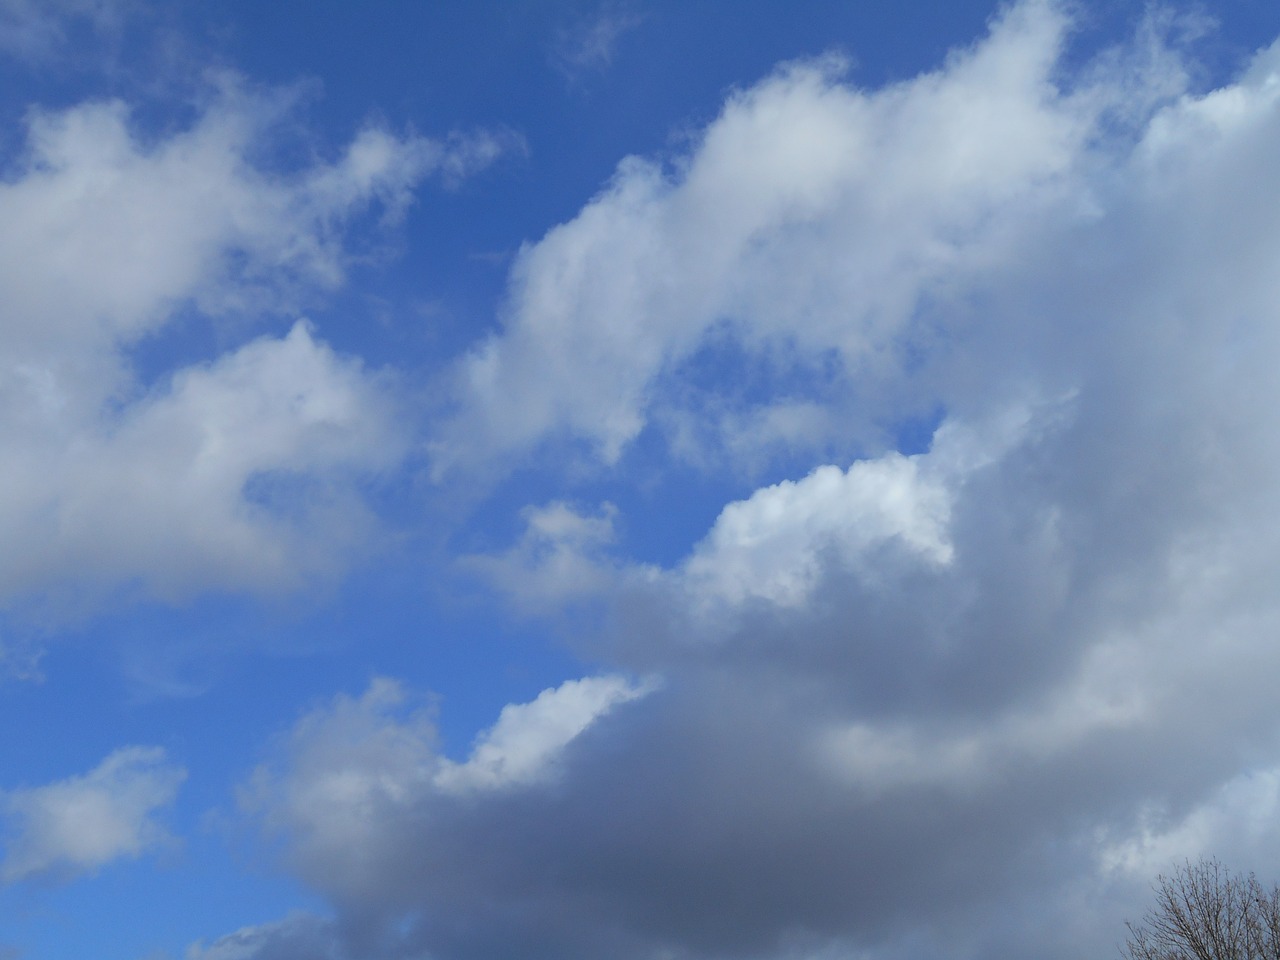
x=775 y=548
x=107 y=233
x=812 y=217
x=351 y=772
x=777 y=544
x=209 y=483
x=523 y=745
x=242 y=471
x=81 y=824
x=949 y=699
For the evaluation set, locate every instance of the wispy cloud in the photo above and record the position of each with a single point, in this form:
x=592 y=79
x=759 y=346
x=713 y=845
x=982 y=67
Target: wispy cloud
x=590 y=44
x=37 y=29
x=81 y=824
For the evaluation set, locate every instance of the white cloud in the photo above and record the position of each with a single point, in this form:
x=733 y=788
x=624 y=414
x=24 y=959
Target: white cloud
x=810 y=215
x=345 y=764
x=177 y=490
x=521 y=748
x=779 y=544
x=106 y=234
x=774 y=545
x=81 y=824
x=241 y=472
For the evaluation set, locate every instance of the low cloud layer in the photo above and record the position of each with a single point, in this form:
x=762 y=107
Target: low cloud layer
x=914 y=703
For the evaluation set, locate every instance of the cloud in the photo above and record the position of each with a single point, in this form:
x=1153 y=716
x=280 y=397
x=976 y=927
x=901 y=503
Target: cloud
x=243 y=470
x=915 y=703
x=1235 y=823
x=590 y=44
x=35 y=29
x=79 y=825
x=523 y=745
x=777 y=544
x=559 y=558
x=878 y=519
x=294 y=937
x=350 y=772
x=107 y=235
x=812 y=219
x=237 y=476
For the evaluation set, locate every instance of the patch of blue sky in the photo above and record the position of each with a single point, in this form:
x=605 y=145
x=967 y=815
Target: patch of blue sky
x=150 y=908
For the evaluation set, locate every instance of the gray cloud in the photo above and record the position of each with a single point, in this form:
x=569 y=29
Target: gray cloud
x=998 y=683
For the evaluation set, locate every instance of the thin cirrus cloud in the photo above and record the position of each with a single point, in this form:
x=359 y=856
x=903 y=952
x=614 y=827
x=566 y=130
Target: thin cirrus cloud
x=1001 y=678
x=591 y=43
x=37 y=29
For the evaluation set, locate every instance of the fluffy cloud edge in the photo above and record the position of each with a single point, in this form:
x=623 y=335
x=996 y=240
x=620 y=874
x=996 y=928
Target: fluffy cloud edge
x=77 y=826
x=107 y=235
x=922 y=183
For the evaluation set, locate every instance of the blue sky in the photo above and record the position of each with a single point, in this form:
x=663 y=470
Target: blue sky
x=642 y=480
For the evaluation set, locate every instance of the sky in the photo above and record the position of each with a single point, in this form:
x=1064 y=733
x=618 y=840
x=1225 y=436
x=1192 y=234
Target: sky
x=641 y=480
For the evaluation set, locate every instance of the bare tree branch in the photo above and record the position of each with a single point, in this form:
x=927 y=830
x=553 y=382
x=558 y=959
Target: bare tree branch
x=1204 y=912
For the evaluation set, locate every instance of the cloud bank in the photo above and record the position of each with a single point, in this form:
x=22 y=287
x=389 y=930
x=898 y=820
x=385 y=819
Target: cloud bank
x=915 y=703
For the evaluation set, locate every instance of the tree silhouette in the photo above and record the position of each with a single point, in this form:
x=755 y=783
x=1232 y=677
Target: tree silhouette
x=1204 y=912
